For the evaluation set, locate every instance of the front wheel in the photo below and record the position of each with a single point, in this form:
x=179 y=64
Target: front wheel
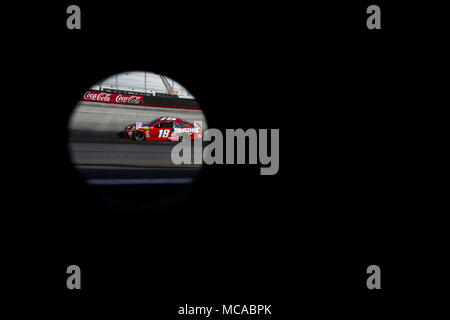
x=138 y=135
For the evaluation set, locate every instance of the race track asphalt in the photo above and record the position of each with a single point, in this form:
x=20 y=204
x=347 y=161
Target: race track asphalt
x=107 y=156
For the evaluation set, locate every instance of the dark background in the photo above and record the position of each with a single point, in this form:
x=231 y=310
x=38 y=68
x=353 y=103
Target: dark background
x=352 y=189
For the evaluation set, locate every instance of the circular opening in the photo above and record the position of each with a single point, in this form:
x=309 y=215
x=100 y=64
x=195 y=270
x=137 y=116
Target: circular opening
x=124 y=133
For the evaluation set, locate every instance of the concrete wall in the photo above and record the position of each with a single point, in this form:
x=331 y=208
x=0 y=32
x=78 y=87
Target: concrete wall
x=185 y=103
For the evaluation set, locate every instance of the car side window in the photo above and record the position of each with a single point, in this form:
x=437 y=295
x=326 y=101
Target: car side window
x=179 y=125
x=167 y=124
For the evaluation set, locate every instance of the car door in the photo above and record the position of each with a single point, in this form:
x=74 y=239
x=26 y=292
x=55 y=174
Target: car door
x=162 y=131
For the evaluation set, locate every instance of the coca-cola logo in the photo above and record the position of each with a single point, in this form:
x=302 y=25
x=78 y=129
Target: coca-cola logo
x=112 y=97
x=101 y=96
x=128 y=99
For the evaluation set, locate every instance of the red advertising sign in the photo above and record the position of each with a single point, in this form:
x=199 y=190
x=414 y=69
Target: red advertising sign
x=118 y=98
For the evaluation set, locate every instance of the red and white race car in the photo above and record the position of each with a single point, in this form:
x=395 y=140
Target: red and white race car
x=163 y=129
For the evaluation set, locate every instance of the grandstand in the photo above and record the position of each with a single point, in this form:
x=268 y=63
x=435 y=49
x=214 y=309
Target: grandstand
x=145 y=83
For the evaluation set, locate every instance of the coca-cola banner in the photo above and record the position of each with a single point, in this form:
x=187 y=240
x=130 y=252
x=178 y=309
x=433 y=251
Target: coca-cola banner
x=106 y=97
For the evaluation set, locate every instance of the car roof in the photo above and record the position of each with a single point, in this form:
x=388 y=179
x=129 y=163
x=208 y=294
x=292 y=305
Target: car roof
x=170 y=119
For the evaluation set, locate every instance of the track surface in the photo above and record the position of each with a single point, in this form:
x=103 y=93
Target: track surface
x=101 y=117
x=128 y=161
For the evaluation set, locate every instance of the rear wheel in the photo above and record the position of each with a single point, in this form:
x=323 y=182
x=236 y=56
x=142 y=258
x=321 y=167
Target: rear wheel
x=138 y=135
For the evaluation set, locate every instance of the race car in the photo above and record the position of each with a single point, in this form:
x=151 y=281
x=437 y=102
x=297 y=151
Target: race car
x=163 y=129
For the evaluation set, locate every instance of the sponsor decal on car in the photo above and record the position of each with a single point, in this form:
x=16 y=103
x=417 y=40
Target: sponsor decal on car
x=139 y=125
x=187 y=130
